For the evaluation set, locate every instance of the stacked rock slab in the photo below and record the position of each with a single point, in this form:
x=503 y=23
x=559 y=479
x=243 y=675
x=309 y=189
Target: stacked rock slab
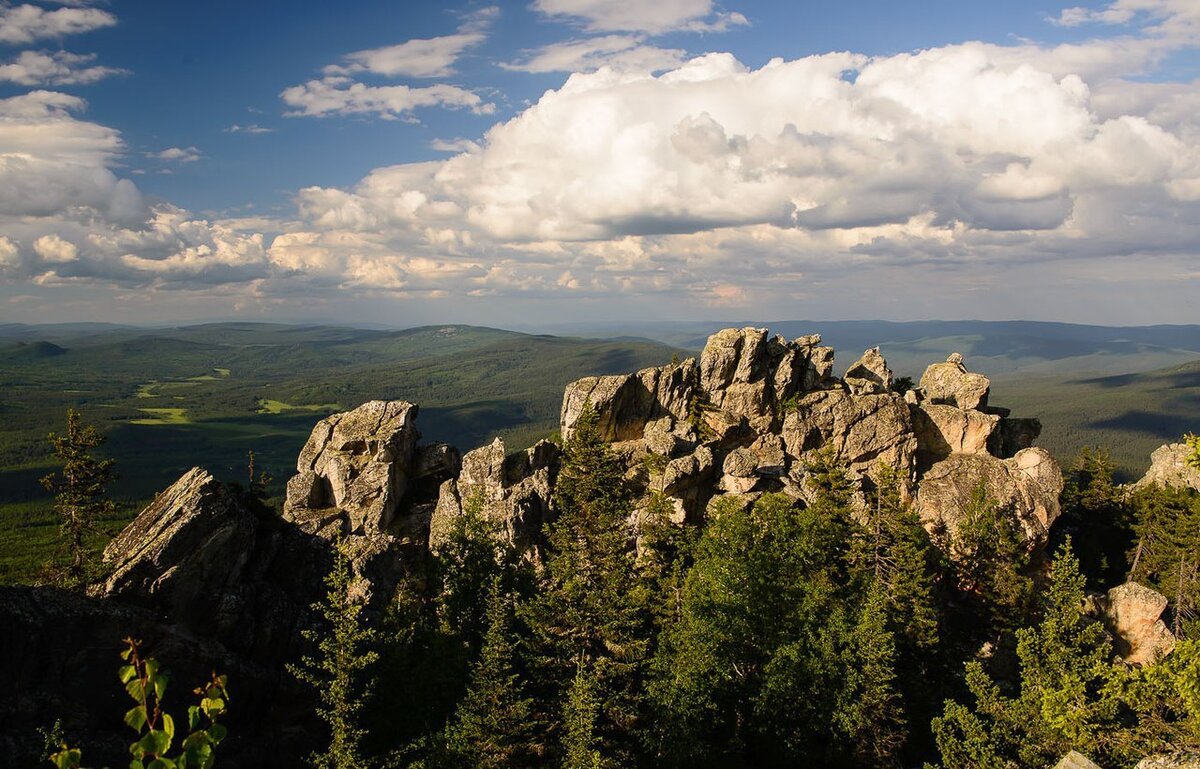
x=1133 y=615
x=514 y=491
x=755 y=412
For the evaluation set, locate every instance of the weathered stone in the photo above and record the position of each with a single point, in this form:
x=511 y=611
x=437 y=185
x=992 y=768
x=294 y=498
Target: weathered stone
x=1132 y=613
x=1076 y=760
x=1026 y=486
x=514 y=490
x=359 y=463
x=944 y=430
x=740 y=463
x=869 y=375
x=198 y=556
x=862 y=430
x=621 y=402
x=1169 y=467
x=688 y=482
x=661 y=439
x=950 y=383
x=769 y=455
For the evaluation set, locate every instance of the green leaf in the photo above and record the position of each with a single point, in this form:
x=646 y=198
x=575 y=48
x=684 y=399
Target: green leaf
x=168 y=727
x=127 y=673
x=193 y=718
x=160 y=685
x=136 y=718
x=161 y=763
x=217 y=732
x=136 y=689
x=67 y=758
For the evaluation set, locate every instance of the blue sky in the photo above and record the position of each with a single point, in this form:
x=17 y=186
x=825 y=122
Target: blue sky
x=399 y=162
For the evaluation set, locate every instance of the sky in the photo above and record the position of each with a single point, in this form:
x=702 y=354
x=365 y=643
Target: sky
x=557 y=161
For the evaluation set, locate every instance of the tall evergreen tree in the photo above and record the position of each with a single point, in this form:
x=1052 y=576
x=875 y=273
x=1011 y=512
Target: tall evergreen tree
x=344 y=652
x=990 y=560
x=1066 y=699
x=79 y=500
x=1097 y=517
x=591 y=606
x=493 y=727
x=1167 y=551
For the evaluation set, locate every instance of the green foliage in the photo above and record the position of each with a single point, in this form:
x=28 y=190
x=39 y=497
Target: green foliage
x=989 y=564
x=1097 y=517
x=776 y=655
x=1193 y=442
x=902 y=384
x=580 y=742
x=343 y=653
x=1068 y=697
x=146 y=684
x=493 y=726
x=79 y=497
x=591 y=608
x=1167 y=554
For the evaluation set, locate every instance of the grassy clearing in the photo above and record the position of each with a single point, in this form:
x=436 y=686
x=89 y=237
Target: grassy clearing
x=177 y=416
x=268 y=406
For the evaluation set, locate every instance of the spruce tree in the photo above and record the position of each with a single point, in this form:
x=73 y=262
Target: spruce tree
x=493 y=727
x=1167 y=551
x=1098 y=518
x=344 y=653
x=79 y=489
x=591 y=606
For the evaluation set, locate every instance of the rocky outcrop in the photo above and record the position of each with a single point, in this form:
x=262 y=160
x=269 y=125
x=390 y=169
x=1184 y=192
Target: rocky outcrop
x=1181 y=761
x=201 y=557
x=1026 y=486
x=515 y=491
x=870 y=375
x=354 y=469
x=755 y=411
x=951 y=384
x=1132 y=613
x=1169 y=467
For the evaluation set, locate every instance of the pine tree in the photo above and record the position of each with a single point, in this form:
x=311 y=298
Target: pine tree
x=1167 y=554
x=1067 y=697
x=871 y=711
x=1097 y=517
x=79 y=496
x=990 y=559
x=335 y=673
x=591 y=605
x=493 y=727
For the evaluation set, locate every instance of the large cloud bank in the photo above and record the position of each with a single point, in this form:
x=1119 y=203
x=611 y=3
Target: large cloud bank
x=709 y=182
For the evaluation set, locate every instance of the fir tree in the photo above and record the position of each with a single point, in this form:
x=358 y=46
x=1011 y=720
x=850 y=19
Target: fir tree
x=1167 y=554
x=493 y=727
x=591 y=606
x=343 y=653
x=1097 y=517
x=1066 y=700
x=79 y=496
x=871 y=714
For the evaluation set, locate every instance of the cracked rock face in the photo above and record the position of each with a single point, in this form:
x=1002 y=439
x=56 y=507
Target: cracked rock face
x=355 y=467
x=1027 y=486
x=1169 y=467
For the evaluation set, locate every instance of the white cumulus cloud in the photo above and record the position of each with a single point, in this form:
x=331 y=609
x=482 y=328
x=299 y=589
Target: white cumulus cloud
x=55 y=68
x=26 y=23
x=655 y=17
x=335 y=95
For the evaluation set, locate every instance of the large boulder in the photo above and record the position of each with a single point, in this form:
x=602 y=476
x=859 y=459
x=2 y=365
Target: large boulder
x=1178 y=761
x=1027 y=486
x=354 y=469
x=950 y=383
x=1133 y=613
x=199 y=556
x=625 y=403
x=869 y=375
x=1169 y=467
x=1076 y=760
